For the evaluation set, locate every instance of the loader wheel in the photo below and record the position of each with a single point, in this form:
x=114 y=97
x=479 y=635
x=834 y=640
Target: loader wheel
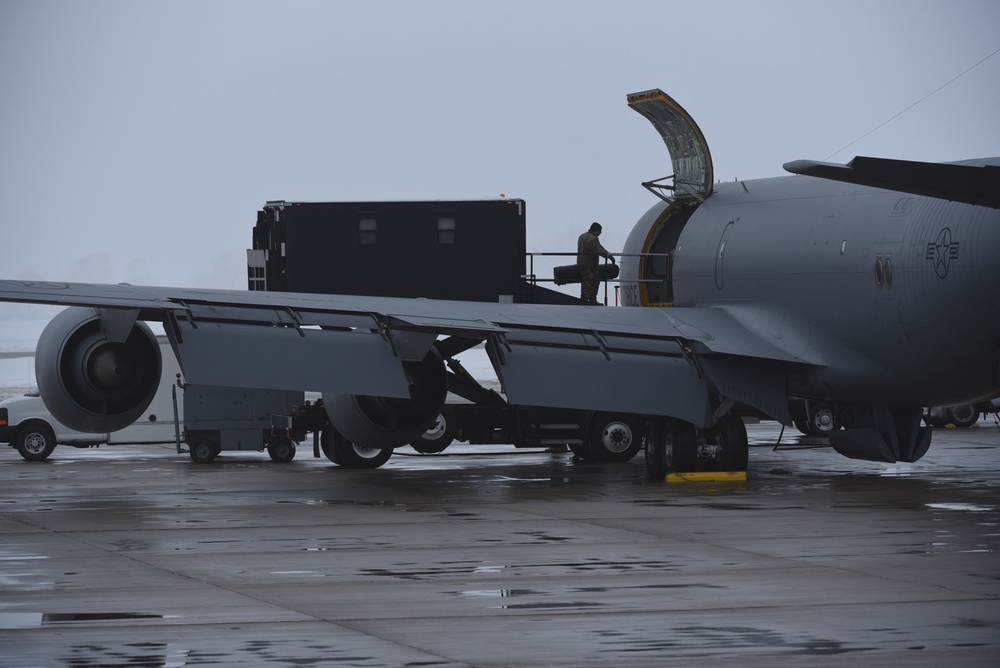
x=203 y=450
x=822 y=420
x=281 y=450
x=437 y=437
x=614 y=437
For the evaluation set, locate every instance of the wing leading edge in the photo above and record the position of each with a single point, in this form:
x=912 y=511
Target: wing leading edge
x=675 y=362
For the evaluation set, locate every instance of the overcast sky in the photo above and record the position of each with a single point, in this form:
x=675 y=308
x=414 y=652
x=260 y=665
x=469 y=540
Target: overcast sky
x=140 y=138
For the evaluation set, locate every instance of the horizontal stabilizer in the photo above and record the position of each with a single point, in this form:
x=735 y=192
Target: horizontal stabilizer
x=970 y=182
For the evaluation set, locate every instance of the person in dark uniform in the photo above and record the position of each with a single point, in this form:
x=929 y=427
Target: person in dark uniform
x=588 y=249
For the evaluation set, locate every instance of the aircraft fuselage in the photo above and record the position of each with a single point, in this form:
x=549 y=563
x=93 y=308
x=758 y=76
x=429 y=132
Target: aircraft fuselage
x=888 y=296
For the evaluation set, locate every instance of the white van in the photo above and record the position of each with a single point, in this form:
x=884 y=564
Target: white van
x=25 y=423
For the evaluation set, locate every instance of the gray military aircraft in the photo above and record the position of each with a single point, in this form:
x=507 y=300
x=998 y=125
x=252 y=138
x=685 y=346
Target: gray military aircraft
x=847 y=298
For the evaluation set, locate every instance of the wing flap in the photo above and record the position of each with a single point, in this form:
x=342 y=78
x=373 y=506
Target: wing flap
x=283 y=358
x=580 y=370
x=758 y=384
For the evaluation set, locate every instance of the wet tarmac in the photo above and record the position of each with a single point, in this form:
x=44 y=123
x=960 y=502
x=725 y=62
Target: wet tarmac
x=488 y=556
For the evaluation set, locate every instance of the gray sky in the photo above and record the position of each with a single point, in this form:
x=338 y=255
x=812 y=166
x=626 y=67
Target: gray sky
x=140 y=138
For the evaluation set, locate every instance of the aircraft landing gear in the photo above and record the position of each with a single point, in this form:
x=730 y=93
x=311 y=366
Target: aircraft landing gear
x=350 y=455
x=674 y=446
x=724 y=447
x=670 y=446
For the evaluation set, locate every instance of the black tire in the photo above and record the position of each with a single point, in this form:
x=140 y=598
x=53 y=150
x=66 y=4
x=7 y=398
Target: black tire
x=656 y=457
x=281 y=450
x=615 y=437
x=935 y=417
x=326 y=445
x=670 y=447
x=963 y=416
x=723 y=447
x=822 y=419
x=437 y=437
x=352 y=456
x=35 y=441
x=685 y=441
x=203 y=450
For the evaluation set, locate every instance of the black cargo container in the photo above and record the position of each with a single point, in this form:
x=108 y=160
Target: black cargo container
x=465 y=250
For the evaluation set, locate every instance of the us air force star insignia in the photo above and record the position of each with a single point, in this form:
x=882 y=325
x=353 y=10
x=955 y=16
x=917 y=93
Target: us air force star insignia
x=942 y=252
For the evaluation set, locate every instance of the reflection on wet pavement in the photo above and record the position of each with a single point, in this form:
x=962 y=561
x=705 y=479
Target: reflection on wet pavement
x=491 y=556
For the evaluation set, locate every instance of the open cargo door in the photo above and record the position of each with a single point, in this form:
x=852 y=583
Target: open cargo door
x=692 y=163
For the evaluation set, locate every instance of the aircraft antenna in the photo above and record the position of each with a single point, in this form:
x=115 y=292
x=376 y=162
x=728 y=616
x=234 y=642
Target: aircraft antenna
x=948 y=83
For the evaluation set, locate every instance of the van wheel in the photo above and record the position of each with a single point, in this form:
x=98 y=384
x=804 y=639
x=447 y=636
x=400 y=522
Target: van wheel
x=35 y=442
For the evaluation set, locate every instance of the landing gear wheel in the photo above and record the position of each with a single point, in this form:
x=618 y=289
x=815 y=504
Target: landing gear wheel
x=326 y=446
x=614 y=437
x=350 y=455
x=437 y=437
x=963 y=415
x=203 y=450
x=656 y=455
x=935 y=417
x=670 y=447
x=35 y=442
x=723 y=447
x=281 y=449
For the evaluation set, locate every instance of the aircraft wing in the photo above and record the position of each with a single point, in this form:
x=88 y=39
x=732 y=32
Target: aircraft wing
x=973 y=182
x=638 y=360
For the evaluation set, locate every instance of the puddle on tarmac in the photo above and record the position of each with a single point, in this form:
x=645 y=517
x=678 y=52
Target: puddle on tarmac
x=968 y=507
x=228 y=652
x=724 y=641
x=22 y=620
x=591 y=566
x=534 y=599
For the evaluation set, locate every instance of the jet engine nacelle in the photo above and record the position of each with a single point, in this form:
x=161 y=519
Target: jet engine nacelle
x=90 y=383
x=390 y=422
